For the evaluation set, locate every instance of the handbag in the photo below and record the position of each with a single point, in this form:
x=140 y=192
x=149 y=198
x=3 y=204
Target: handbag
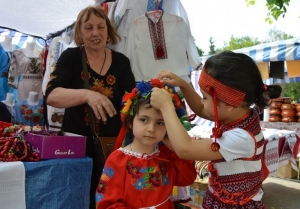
x=103 y=146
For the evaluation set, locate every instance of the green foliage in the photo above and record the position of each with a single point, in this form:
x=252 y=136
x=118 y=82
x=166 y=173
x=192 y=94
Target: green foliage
x=276 y=8
x=212 y=47
x=277 y=35
x=291 y=90
x=240 y=42
x=200 y=52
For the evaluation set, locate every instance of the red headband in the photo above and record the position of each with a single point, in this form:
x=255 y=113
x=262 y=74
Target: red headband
x=225 y=93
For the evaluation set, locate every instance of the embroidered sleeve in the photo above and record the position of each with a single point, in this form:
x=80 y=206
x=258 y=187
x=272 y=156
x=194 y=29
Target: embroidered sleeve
x=185 y=171
x=110 y=190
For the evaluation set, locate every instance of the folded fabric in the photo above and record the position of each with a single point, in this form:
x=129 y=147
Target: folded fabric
x=12 y=185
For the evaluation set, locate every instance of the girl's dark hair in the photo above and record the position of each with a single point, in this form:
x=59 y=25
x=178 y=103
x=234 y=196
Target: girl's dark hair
x=142 y=102
x=241 y=72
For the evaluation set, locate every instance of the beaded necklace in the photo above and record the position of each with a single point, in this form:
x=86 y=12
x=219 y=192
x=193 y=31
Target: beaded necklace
x=14 y=148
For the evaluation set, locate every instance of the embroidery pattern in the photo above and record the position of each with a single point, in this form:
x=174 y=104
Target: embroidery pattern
x=156 y=31
x=100 y=86
x=142 y=178
x=31 y=115
x=107 y=174
x=147 y=178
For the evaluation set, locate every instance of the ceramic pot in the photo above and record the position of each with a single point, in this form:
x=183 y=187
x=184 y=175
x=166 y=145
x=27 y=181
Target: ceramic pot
x=298 y=107
x=274 y=111
x=288 y=113
x=287 y=100
x=275 y=118
x=288 y=119
x=279 y=99
x=275 y=105
x=287 y=106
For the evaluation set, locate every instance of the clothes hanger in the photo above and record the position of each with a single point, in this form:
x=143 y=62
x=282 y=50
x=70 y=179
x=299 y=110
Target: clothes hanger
x=156 y=13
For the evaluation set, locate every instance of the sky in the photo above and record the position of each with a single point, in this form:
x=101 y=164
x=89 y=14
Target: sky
x=221 y=19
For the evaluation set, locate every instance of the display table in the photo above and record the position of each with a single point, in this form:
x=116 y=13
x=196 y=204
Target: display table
x=58 y=183
x=291 y=126
x=281 y=147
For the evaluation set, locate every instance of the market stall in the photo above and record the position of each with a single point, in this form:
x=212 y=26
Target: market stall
x=48 y=183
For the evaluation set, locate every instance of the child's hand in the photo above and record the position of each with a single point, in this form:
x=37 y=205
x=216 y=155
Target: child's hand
x=170 y=78
x=160 y=99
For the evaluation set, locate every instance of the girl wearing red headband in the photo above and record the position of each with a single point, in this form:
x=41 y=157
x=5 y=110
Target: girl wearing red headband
x=230 y=83
x=142 y=174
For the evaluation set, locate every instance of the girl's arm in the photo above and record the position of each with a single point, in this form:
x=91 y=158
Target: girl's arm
x=183 y=145
x=191 y=96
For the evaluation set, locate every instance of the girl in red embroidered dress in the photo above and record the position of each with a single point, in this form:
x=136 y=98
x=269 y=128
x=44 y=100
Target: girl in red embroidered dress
x=142 y=174
x=230 y=83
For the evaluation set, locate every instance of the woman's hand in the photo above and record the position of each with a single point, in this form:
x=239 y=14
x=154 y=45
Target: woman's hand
x=101 y=105
x=170 y=78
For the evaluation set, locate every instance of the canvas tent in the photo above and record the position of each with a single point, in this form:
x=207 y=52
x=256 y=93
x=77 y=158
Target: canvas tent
x=40 y=18
x=284 y=50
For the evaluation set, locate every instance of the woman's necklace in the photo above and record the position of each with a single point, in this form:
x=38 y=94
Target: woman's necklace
x=103 y=62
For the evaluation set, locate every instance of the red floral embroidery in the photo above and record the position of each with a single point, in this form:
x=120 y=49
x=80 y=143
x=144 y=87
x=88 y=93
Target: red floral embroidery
x=29 y=112
x=134 y=170
x=101 y=186
x=111 y=79
x=36 y=119
x=155 y=179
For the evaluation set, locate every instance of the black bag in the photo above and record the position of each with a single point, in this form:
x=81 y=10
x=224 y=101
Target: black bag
x=103 y=146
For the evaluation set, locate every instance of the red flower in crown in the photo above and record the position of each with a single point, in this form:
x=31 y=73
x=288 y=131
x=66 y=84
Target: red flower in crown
x=130 y=95
x=156 y=83
x=177 y=101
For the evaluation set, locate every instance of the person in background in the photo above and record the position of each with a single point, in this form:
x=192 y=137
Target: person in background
x=110 y=76
x=142 y=174
x=5 y=115
x=230 y=82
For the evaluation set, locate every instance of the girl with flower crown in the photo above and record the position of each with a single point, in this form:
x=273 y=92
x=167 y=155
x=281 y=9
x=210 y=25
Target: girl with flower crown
x=230 y=83
x=141 y=173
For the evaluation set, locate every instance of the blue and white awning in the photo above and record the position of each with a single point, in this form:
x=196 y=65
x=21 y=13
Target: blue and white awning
x=283 y=50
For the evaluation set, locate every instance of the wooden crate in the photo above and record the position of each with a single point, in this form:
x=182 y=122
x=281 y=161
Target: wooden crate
x=197 y=192
x=286 y=171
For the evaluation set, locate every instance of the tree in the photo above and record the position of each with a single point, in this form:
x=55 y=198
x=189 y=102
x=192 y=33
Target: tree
x=212 y=47
x=277 y=35
x=200 y=51
x=276 y=8
x=240 y=42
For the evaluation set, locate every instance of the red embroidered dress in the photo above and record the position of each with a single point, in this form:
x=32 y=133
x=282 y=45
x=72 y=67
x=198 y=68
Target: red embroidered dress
x=236 y=180
x=132 y=180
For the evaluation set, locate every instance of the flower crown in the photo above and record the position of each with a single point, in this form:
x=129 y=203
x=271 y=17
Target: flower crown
x=143 y=89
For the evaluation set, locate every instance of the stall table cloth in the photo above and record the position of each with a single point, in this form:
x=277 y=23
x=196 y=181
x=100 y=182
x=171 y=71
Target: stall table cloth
x=58 y=183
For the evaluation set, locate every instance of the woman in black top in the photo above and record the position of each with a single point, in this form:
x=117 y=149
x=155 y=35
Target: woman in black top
x=110 y=76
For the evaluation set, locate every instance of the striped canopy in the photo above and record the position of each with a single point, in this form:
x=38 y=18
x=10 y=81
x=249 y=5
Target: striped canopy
x=283 y=50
